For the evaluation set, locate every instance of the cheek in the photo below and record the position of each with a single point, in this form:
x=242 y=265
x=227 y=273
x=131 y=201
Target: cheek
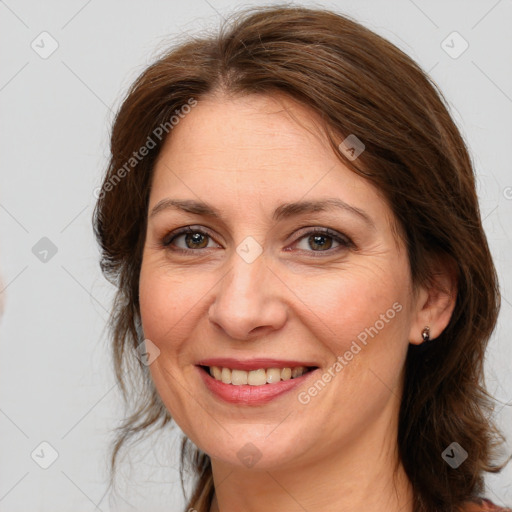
x=163 y=301
x=154 y=306
x=171 y=303
x=345 y=305
x=361 y=317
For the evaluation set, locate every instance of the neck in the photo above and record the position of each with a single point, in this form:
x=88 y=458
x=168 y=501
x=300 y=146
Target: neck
x=357 y=476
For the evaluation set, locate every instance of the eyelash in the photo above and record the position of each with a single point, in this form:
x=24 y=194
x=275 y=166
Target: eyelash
x=344 y=241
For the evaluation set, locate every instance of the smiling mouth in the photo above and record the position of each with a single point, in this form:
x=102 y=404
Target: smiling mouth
x=259 y=377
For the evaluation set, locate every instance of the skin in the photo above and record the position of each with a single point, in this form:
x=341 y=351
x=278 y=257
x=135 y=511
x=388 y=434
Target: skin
x=245 y=156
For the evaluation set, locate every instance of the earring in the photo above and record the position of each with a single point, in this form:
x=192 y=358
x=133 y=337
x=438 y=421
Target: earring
x=426 y=333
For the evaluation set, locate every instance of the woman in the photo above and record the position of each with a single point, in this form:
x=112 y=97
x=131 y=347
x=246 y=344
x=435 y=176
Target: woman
x=290 y=217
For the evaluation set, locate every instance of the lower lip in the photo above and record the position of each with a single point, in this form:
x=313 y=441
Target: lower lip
x=250 y=395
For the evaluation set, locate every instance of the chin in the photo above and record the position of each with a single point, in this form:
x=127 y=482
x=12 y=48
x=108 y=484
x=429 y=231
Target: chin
x=253 y=450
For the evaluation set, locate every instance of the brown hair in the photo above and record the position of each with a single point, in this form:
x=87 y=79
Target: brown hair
x=360 y=84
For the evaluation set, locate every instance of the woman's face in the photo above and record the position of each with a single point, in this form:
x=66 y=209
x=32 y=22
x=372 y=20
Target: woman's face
x=258 y=286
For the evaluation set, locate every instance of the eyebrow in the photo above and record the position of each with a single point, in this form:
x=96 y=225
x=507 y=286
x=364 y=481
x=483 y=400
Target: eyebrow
x=283 y=211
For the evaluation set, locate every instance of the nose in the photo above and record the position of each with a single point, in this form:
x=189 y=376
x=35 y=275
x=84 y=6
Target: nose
x=247 y=301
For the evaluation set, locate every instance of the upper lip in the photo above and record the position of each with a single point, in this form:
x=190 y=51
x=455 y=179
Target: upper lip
x=253 y=364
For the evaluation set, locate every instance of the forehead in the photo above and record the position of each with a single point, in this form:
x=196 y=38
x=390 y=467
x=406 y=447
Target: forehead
x=255 y=149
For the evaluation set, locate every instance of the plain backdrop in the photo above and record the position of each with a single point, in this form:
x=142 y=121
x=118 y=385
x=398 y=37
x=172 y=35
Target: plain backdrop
x=56 y=379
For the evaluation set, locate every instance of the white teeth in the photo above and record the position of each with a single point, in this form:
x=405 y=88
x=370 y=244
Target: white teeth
x=258 y=377
x=226 y=376
x=286 y=373
x=273 y=375
x=296 y=372
x=216 y=372
x=238 y=377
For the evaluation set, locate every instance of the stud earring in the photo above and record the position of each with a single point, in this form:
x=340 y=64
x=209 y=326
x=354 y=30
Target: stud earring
x=426 y=333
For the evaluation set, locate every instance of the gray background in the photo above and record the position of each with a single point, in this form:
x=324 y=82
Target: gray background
x=57 y=384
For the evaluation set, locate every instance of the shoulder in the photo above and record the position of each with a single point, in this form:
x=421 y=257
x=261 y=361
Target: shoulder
x=483 y=505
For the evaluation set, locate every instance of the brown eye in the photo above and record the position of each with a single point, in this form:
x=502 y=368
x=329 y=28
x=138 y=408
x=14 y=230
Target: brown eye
x=193 y=239
x=196 y=240
x=322 y=241
x=316 y=241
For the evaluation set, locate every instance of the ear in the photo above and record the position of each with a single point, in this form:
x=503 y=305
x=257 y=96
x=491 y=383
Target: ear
x=435 y=301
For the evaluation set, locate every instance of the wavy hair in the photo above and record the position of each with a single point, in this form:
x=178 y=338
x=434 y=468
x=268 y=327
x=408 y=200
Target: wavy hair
x=359 y=83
